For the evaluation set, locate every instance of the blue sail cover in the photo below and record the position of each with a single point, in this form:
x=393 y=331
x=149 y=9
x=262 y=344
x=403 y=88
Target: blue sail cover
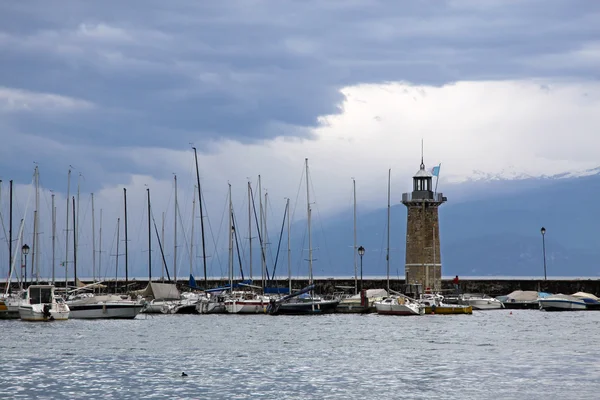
x=227 y=286
x=192 y=282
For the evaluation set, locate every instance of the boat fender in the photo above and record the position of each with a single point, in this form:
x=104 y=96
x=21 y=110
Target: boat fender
x=433 y=307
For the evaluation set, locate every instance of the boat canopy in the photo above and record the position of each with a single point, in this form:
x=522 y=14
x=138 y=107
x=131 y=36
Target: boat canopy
x=160 y=291
x=586 y=295
x=522 y=295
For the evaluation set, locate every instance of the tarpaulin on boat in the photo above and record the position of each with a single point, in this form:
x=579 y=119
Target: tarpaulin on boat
x=159 y=291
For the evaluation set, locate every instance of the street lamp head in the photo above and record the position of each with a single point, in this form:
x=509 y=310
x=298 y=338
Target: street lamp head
x=543 y=230
x=25 y=249
x=361 y=251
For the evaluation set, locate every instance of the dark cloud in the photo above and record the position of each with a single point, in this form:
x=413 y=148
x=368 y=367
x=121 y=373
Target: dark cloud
x=168 y=73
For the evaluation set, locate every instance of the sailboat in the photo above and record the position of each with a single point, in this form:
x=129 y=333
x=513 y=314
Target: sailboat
x=11 y=301
x=87 y=305
x=304 y=302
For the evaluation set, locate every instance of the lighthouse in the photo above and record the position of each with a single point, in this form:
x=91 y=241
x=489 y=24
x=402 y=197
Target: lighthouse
x=423 y=260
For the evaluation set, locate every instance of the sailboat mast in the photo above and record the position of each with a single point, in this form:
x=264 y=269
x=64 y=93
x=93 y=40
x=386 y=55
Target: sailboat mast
x=53 y=240
x=262 y=235
x=230 y=242
x=149 y=241
x=310 y=258
x=201 y=219
x=162 y=240
x=10 y=231
x=126 y=239
x=76 y=227
x=266 y=238
x=192 y=231
x=74 y=247
x=389 y=209
x=355 y=248
x=289 y=258
x=21 y=234
x=67 y=231
x=175 y=234
x=117 y=255
x=93 y=240
x=33 y=246
x=250 y=225
x=100 y=245
x=36 y=228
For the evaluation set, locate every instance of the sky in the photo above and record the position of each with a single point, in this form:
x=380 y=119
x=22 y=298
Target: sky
x=119 y=92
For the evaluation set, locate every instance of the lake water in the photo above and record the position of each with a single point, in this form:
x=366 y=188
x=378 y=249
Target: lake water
x=528 y=354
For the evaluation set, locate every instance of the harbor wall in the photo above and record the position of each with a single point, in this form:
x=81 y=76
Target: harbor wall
x=492 y=286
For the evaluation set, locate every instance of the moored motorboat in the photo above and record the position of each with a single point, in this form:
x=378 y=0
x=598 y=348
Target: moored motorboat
x=434 y=304
x=103 y=306
x=399 y=305
x=562 y=302
x=304 y=306
x=591 y=301
x=42 y=305
x=480 y=301
x=522 y=299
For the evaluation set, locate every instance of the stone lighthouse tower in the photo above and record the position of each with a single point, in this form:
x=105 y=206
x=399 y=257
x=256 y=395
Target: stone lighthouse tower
x=423 y=261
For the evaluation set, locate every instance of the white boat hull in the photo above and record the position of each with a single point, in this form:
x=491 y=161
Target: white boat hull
x=561 y=305
x=210 y=307
x=159 y=307
x=411 y=308
x=485 y=304
x=35 y=312
x=105 y=311
x=246 y=307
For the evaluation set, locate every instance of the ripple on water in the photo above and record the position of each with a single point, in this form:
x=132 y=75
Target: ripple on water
x=526 y=354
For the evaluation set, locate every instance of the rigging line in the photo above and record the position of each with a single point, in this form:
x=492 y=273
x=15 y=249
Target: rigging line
x=260 y=240
x=300 y=185
x=237 y=245
x=216 y=242
x=321 y=225
x=242 y=209
x=160 y=246
x=267 y=235
x=112 y=246
x=279 y=244
x=185 y=238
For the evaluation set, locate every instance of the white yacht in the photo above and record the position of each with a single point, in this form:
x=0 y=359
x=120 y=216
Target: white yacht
x=481 y=301
x=103 y=306
x=42 y=305
x=399 y=305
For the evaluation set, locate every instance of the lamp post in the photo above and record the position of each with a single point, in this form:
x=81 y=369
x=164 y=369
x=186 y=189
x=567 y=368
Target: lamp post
x=543 y=231
x=25 y=251
x=361 y=253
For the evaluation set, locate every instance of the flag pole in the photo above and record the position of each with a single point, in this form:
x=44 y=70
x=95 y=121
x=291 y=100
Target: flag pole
x=437 y=177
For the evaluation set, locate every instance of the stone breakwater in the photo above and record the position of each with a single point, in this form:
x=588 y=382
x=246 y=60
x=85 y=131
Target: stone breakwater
x=492 y=286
